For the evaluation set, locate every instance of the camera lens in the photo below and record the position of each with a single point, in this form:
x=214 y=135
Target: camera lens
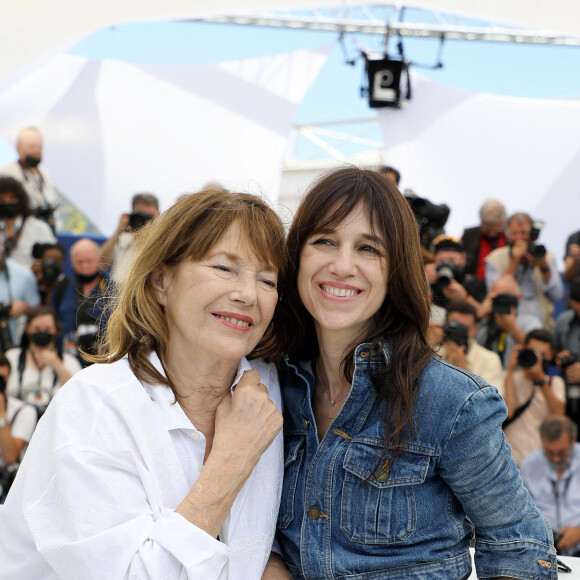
x=527 y=358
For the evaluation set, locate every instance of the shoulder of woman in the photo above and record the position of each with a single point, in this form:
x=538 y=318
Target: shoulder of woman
x=445 y=379
x=99 y=381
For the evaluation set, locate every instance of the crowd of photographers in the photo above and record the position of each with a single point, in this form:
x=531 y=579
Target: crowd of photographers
x=47 y=319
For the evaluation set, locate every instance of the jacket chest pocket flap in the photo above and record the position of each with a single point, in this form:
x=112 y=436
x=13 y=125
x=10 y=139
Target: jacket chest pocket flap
x=380 y=509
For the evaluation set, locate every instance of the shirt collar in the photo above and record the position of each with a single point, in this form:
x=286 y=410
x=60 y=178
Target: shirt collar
x=173 y=415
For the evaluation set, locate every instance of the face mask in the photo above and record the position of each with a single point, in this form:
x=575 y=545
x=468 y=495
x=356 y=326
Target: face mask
x=32 y=162
x=41 y=338
x=86 y=278
x=50 y=270
x=9 y=210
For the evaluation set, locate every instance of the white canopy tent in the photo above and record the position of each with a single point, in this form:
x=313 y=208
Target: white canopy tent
x=462 y=148
x=35 y=30
x=113 y=129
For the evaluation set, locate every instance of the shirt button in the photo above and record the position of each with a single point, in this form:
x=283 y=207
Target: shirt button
x=193 y=435
x=305 y=423
x=313 y=513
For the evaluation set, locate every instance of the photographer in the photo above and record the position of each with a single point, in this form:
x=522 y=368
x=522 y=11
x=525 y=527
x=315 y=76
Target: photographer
x=20 y=229
x=552 y=476
x=447 y=275
x=503 y=325
x=18 y=295
x=114 y=251
x=80 y=300
x=461 y=349
x=38 y=368
x=567 y=344
x=533 y=267
x=47 y=268
x=530 y=394
x=28 y=170
x=17 y=423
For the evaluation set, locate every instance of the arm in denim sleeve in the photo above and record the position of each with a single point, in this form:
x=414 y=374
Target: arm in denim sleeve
x=512 y=538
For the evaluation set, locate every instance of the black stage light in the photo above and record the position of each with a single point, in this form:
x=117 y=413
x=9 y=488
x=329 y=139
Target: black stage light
x=388 y=81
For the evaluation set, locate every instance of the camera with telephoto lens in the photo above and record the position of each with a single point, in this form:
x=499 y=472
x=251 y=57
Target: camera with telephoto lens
x=503 y=303
x=139 y=218
x=5 y=336
x=430 y=217
x=537 y=251
x=456 y=332
x=527 y=358
x=445 y=273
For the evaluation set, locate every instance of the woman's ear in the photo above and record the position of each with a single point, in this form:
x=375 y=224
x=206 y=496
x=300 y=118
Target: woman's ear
x=160 y=283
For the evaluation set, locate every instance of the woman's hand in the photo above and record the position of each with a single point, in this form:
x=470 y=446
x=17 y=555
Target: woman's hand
x=246 y=424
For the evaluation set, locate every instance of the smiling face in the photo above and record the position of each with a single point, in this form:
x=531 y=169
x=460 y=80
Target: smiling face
x=220 y=305
x=342 y=278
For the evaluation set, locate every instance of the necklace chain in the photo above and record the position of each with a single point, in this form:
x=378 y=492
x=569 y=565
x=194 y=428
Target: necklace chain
x=326 y=389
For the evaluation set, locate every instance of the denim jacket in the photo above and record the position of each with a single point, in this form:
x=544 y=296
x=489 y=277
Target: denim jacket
x=454 y=477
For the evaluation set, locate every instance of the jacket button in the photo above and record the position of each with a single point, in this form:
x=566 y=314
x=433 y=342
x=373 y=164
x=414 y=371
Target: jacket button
x=313 y=513
x=382 y=477
x=305 y=423
x=364 y=353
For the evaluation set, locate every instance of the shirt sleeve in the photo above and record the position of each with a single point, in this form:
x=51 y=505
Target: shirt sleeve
x=91 y=518
x=512 y=538
x=22 y=426
x=553 y=289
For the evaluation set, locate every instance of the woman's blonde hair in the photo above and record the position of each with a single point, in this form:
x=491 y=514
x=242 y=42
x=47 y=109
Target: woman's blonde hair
x=186 y=231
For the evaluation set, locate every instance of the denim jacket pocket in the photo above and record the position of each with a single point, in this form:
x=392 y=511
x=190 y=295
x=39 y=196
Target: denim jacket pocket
x=293 y=452
x=380 y=509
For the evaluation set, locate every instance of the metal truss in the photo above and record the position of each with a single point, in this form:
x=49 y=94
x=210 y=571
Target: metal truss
x=320 y=143
x=382 y=20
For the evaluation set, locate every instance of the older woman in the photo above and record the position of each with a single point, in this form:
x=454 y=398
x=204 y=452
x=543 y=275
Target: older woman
x=393 y=458
x=165 y=461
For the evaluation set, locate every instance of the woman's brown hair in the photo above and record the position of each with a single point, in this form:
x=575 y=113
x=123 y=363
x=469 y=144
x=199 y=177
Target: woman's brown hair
x=403 y=319
x=186 y=231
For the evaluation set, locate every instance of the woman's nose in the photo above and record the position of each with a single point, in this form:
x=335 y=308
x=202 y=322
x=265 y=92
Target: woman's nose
x=343 y=263
x=246 y=290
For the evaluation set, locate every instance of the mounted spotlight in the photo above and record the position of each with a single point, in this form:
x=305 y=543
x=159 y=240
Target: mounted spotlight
x=388 y=81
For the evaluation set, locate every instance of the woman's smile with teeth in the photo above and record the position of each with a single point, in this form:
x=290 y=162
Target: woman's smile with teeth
x=233 y=320
x=340 y=292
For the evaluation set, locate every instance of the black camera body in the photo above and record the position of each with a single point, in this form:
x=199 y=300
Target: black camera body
x=139 y=218
x=527 y=358
x=503 y=303
x=456 y=332
x=537 y=251
x=566 y=361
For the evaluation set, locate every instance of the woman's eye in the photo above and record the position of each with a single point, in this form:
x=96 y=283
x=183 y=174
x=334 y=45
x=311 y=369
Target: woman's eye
x=270 y=284
x=370 y=249
x=222 y=268
x=322 y=242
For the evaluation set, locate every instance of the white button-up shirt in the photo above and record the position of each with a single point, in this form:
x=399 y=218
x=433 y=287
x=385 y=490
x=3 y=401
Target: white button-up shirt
x=109 y=462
